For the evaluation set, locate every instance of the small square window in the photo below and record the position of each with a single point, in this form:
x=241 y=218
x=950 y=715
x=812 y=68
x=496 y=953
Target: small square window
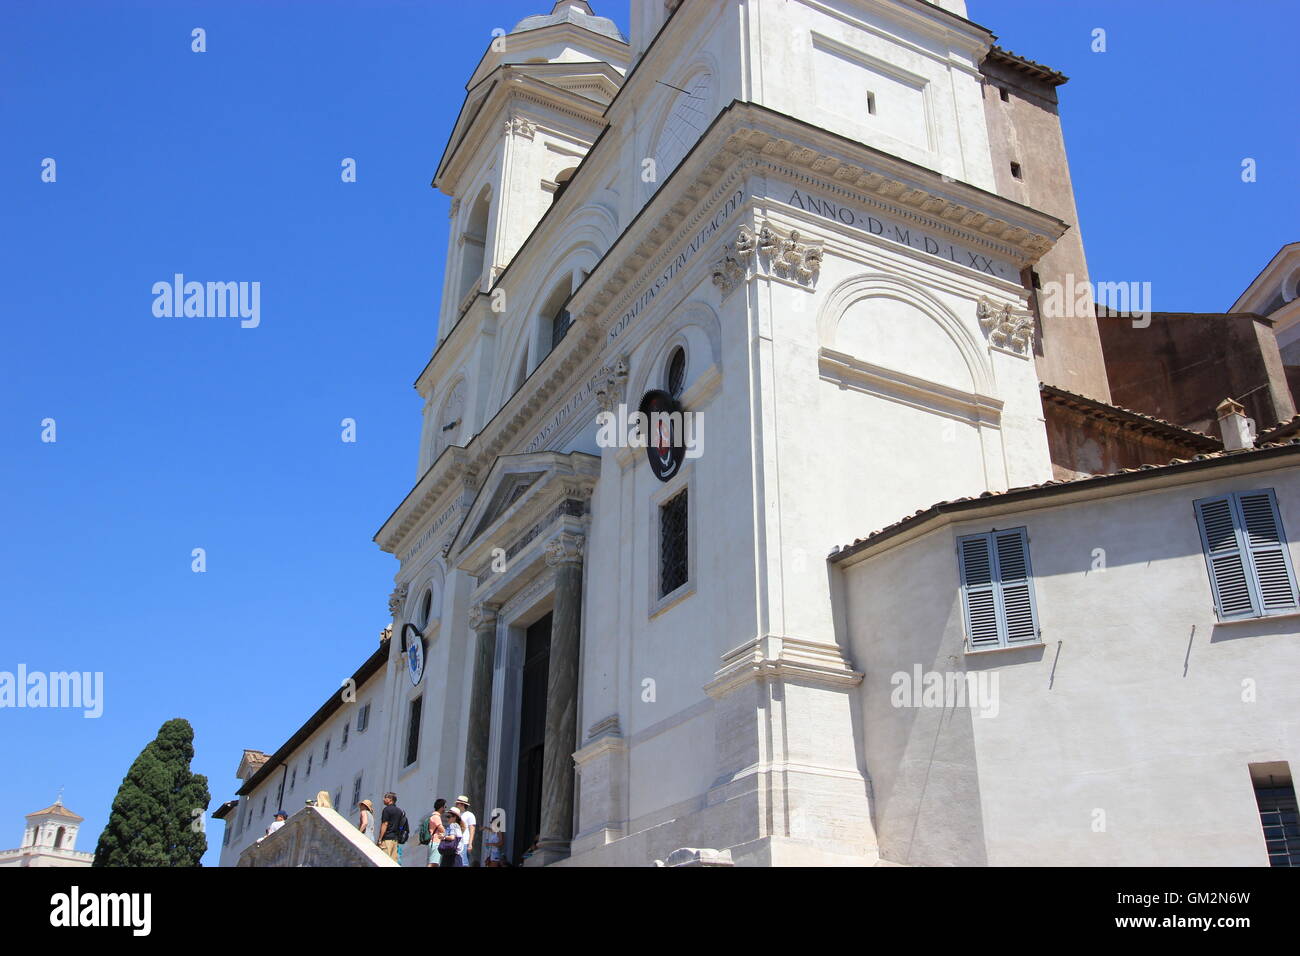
x=1016 y=172
x=1005 y=94
x=673 y=555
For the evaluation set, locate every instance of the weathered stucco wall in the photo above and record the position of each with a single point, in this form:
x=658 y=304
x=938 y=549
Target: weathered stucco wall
x=1183 y=365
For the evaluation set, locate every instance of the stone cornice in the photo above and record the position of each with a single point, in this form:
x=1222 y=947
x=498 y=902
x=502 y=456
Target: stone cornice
x=744 y=140
x=772 y=657
x=513 y=84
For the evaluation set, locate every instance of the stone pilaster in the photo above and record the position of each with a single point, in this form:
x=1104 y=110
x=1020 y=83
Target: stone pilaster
x=788 y=787
x=483 y=621
x=564 y=554
x=602 y=796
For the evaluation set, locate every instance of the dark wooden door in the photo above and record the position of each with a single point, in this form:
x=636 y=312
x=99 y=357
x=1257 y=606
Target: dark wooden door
x=532 y=735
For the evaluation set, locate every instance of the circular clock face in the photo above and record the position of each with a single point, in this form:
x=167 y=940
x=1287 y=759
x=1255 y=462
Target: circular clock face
x=687 y=119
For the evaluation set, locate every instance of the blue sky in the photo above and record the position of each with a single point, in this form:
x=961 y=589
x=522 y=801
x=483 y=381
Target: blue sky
x=181 y=433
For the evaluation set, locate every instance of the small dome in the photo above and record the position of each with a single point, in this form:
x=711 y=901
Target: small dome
x=577 y=12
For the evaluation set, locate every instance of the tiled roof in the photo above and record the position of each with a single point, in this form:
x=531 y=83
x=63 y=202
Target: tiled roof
x=1026 y=65
x=1056 y=486
x=1281 y=429
x=1129 y=418
x=56 y=809
x=374 y=663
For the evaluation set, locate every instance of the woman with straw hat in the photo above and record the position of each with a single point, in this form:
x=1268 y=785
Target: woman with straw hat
x=367 y=812
x=449 y=847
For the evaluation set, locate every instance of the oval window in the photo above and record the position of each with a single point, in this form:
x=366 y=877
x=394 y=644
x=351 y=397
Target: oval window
x=676 y=372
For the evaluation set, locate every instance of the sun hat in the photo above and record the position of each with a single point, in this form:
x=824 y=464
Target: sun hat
x=463 y=799
x=367 y=804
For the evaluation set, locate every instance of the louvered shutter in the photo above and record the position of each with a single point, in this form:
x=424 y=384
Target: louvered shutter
x=979 y=593
x=1225 y=557
x=1015 y=580
x=1262 y=532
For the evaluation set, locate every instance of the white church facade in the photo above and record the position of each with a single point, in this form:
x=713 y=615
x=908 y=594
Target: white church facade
x=789 y=221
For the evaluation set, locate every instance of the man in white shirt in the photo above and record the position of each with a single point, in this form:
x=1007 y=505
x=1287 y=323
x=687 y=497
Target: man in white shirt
x=279 y=822
x=470 y=824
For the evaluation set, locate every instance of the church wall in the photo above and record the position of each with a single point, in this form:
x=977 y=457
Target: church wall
x=832 y=65
x=854 y=451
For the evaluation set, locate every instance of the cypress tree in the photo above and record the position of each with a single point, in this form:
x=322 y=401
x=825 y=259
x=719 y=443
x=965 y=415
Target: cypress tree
x=152 y=822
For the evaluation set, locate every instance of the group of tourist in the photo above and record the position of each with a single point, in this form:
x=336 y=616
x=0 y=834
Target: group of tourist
x=449 y=832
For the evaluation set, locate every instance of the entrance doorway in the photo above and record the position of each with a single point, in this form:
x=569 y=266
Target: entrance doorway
x=532 y=736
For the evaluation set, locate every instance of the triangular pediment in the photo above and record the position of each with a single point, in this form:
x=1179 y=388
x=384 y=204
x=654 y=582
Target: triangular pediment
x=1275 y=286
x=520 y=491
x=509 y=490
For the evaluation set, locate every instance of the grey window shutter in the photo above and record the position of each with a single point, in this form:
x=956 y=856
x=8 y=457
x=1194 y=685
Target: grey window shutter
x=979 y=593
x=1225 y=557
x=1011 y=549
x=1247 y=555
x=1266 y=544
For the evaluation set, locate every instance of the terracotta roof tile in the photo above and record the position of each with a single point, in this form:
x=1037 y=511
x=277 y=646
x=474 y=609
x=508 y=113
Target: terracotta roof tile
x=1040 y=70
x=1129 y=416
x=924 y=514
x=56 y=809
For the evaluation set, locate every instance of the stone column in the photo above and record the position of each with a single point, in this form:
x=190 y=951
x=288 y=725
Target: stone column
x=483 y=620
x=564 y=554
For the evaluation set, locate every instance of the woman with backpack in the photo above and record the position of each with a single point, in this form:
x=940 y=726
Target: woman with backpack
x=432 y=831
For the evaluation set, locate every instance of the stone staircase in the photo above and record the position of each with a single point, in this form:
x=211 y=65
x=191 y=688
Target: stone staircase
x=315 y=836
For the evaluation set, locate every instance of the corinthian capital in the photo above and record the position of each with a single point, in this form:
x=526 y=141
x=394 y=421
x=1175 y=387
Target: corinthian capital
x=482 y=616
x=397 y=600
x=565 y=548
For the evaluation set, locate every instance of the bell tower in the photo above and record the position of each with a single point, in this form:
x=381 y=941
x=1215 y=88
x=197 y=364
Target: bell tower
x=49 y=839
x=534 y=106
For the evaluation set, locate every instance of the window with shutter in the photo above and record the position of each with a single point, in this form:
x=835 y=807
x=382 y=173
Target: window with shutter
x=997 y=589
x=1246 y=554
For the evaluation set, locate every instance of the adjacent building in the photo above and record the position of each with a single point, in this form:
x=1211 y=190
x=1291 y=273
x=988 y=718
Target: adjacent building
x=49 y=839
